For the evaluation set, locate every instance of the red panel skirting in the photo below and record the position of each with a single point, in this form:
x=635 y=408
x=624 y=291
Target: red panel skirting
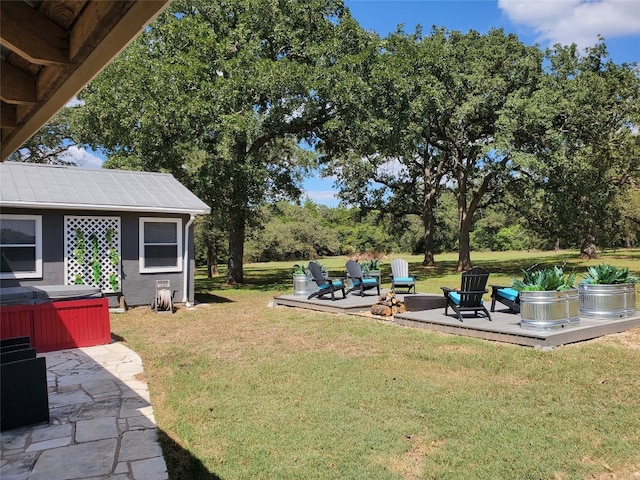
x=58 y=325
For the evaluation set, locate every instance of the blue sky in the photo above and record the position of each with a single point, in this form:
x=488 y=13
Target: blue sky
x=542 y=22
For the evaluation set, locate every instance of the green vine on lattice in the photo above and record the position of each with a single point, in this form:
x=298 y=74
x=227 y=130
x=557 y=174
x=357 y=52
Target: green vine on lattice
x=114 y=258
x=113 y=281
x=96 y=268
x=81 y=246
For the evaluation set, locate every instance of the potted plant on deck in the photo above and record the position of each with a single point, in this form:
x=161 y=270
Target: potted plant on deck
x=371 y=268
x=548 y=299
x=607 y=292
x=300 y=279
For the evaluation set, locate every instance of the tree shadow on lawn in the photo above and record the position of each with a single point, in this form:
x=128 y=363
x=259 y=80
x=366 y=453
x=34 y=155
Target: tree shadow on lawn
x=258 y=279
x=206 y=297
x=621 y=255
x=516 y=266
x=266 y=278
x=511 y=266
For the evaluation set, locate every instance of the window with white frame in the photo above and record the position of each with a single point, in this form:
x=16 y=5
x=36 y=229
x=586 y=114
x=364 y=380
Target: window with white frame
x=160 y=245
x=21 y=246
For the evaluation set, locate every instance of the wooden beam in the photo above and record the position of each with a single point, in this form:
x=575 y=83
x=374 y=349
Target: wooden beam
x=7 y=115
x=141 y=13
x=32 y=35
x=95 y=21
x=16 y=86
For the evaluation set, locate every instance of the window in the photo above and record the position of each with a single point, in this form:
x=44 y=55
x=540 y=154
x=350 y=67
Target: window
x=21 y=246
x=160 y=245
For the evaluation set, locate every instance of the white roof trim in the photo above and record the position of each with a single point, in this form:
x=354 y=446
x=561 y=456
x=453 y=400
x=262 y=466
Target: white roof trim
x=105 y=208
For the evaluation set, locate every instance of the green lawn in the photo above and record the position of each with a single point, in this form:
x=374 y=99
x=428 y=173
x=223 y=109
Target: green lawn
x=243 y=391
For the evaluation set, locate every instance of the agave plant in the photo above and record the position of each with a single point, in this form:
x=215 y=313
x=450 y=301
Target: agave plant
x=608 y=275
x=548 y=279
x=369 y=265
x=299 y=269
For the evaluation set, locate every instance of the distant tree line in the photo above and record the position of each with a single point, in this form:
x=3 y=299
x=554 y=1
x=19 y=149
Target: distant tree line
x=445 y=140
x=308 y=231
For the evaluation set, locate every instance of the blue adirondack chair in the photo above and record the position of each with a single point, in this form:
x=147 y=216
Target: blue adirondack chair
x=360 y=282
x=469 y=297
x=325 y=285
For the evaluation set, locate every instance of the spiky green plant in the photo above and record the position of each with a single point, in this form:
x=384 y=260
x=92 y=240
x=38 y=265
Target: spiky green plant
x=605 y=274
x=548 y=279
x=299 y=269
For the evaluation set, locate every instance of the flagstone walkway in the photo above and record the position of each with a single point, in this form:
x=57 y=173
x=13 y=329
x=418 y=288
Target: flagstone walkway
x=101 y=426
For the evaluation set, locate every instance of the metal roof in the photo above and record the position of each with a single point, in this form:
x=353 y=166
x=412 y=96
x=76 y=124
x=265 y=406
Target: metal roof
x=73 y=188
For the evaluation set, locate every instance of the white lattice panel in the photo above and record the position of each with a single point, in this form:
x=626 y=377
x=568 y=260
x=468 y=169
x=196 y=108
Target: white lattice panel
x=92 y=252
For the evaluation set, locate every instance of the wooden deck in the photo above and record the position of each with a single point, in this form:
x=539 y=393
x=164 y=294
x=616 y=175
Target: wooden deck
x=504 y=326
x=351 y=304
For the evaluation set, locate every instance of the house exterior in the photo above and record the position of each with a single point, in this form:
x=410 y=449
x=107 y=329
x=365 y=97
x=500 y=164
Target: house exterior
x=120 y=231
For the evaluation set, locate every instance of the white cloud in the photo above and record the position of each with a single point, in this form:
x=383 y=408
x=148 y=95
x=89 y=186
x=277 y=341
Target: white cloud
x=575 y=21
x=82 y=158
x=324 y=197
x=392 y=167
x=74 y=102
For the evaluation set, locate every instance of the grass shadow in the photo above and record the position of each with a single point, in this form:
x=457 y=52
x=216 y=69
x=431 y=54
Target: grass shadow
x=117 y=338
x=211 y=298
x=622 y=254
x=256 y=278
x=509 y=267
x=181 y=463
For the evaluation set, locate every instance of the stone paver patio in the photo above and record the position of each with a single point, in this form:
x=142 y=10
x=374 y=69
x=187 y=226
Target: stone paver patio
x=101 y=426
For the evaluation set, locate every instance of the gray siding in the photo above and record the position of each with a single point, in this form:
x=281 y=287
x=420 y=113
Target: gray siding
x=140 y=288
x=137 y=288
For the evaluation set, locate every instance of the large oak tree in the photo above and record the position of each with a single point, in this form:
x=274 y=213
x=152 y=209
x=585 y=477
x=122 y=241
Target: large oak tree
x=433 y=122
x=580 y=130
x=221 y=94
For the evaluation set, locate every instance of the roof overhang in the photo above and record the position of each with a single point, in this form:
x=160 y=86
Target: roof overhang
x=106 y=208
x=52 y=49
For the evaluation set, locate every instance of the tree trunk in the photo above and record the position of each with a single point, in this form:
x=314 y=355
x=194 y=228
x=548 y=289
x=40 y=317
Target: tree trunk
x=433 y=188
x=588 y=250
x=212 y=260
x=429 y=230
x=464 y=221
x=464 y=246
x=466 y=211
x=379 y=309
x=235 y=272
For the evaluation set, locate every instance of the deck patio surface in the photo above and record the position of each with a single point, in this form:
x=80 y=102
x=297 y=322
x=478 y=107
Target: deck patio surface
x=504 y=326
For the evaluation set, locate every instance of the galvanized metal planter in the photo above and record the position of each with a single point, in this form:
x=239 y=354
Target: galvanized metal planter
x=549 y=309
x=607 y=302
x=300 y=284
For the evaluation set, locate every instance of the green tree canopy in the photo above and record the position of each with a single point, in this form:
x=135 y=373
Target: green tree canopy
x=221 y=94
x=580 y=131
x=435 y=103
x=51 y=144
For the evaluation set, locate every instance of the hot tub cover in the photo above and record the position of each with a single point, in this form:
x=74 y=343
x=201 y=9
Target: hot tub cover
x=46 y=293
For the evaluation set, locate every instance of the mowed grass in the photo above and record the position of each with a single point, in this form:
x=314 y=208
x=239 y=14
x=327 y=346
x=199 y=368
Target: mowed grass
x=241 y=390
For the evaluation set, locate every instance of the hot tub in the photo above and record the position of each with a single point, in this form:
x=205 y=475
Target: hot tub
x=56 y=317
